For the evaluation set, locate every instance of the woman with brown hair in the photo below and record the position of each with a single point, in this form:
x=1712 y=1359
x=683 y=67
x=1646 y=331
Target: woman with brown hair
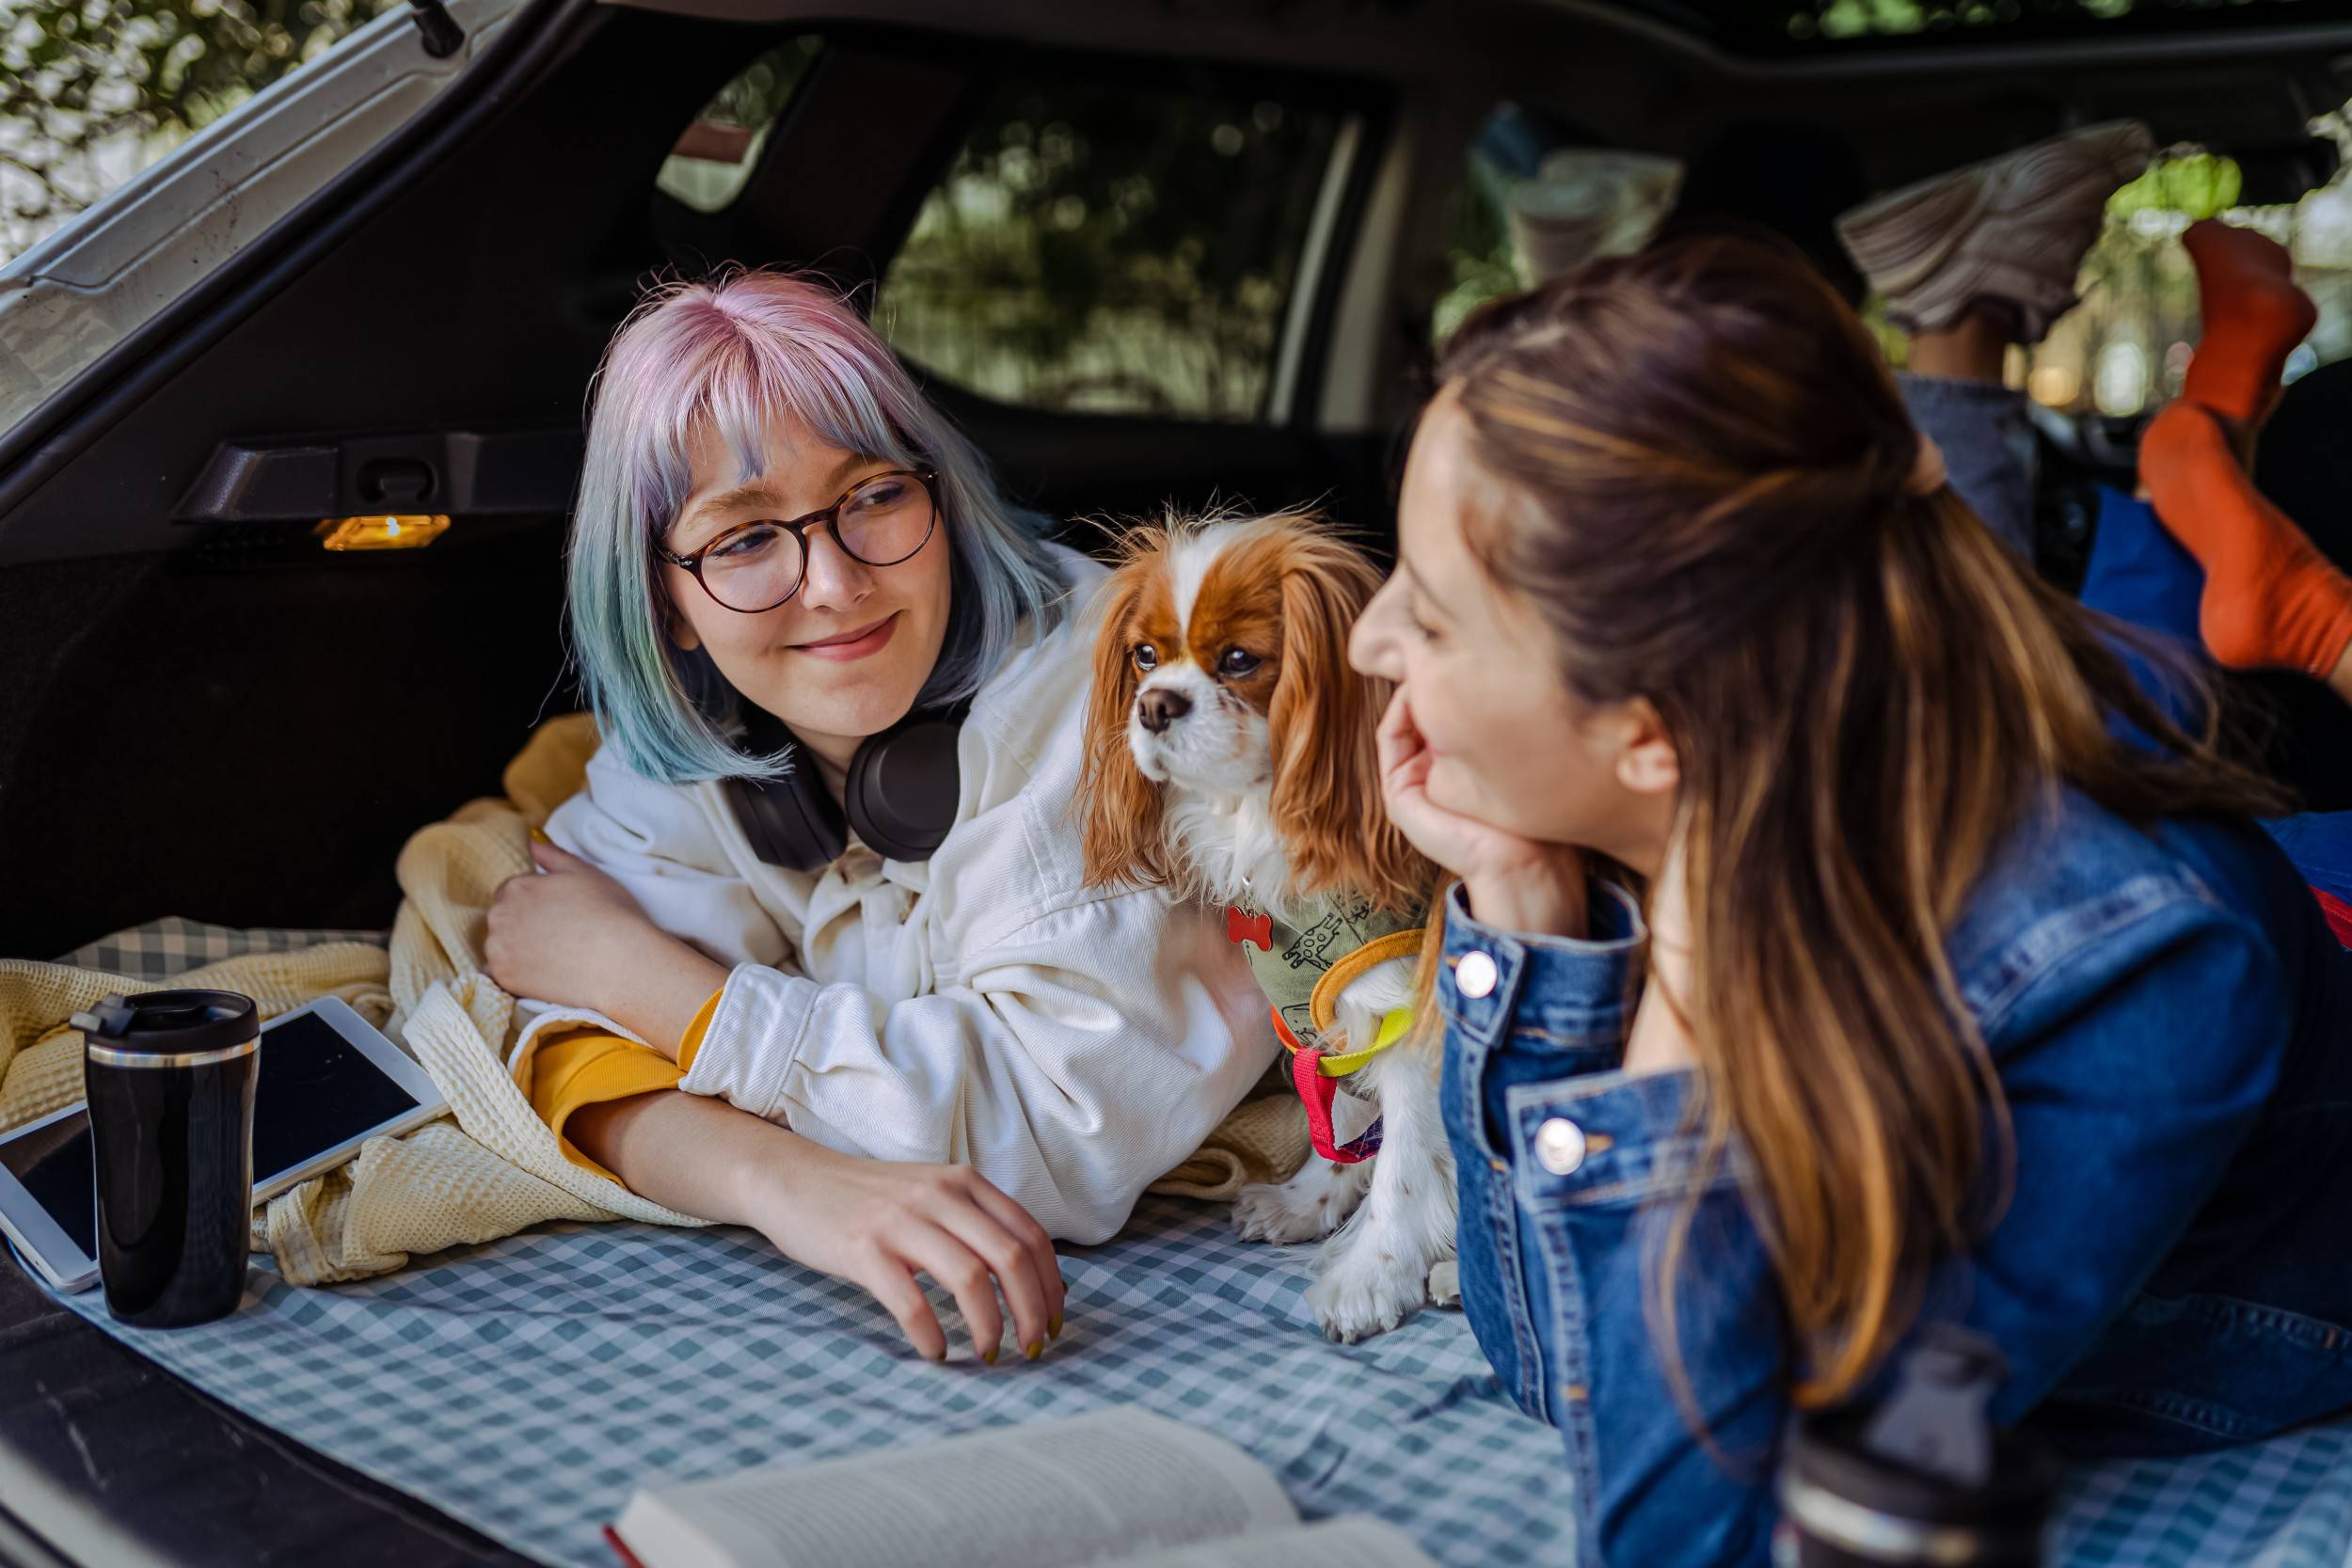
x=1843 y=941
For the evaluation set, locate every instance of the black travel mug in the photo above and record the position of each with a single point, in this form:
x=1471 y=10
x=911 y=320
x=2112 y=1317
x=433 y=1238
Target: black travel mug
x=170 y=1076
x=1921 y=1478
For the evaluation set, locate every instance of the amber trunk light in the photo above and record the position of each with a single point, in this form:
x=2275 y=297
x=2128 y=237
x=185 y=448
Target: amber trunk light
x=381 y=531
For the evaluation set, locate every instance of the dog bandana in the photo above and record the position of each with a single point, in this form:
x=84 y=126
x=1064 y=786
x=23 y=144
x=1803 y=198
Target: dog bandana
x=1302 y=970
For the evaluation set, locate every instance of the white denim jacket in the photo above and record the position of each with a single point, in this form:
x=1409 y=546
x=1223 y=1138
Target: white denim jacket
x=984 y=1007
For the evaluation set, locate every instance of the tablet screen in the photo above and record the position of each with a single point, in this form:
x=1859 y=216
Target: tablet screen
x=55 y=1164
x=315 y=1091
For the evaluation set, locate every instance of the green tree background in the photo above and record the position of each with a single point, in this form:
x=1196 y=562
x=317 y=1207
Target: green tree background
x=1100 y=247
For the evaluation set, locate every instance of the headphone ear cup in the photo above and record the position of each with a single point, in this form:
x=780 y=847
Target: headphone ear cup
x=903 y=788
x=791 y=821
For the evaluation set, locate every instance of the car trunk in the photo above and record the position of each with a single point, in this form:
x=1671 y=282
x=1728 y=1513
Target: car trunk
x=207 y=713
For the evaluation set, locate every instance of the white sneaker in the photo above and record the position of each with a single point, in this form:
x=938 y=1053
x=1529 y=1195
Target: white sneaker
x=1585 y=203
x=2011 y=231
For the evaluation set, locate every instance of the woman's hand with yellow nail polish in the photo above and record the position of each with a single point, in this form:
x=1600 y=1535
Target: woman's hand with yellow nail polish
x=880 y=1223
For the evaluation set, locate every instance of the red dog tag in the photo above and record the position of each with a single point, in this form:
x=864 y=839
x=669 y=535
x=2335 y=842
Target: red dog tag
x=1250 y=927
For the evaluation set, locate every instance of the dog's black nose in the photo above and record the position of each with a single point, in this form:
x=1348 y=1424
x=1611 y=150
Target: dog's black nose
x=1159 y=707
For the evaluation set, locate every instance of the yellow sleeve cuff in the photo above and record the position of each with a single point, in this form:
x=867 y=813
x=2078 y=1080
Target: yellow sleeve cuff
x=574 y=1067
x=692 y=1041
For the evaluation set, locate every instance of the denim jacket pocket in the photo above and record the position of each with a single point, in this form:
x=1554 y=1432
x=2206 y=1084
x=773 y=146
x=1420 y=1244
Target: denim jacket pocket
x=1597 y=1146
x=1523 y=1008
x=1512 y=1279
x=1600 y=1164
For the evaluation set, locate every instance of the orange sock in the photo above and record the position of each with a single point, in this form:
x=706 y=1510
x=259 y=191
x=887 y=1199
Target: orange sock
x=2272 y=601
x=2254 y=315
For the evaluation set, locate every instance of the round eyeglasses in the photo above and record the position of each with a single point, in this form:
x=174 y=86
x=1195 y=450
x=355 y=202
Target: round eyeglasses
x=879 y=521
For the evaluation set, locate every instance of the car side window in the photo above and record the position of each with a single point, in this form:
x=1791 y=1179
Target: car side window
x=715 y=155
x=1534 y=202
x=1107 y=247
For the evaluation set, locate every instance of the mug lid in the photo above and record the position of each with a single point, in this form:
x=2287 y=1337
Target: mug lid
x=171 y=1022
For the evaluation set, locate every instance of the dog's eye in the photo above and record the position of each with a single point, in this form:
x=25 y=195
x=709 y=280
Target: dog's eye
x=1147 y=658
x=1238 y=661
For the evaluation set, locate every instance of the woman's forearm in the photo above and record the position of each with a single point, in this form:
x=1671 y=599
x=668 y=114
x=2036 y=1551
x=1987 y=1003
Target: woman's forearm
x=1546 y=901
x=659 y=990
x=688 y=1152
x=870 y=1221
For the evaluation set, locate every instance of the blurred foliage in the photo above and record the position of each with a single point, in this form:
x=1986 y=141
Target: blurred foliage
x=1481 y=264
x=135 y=75
x=754 y=96
x=2197 y=184
x=1115 y=249
x=715 y=155
x=1845 y=19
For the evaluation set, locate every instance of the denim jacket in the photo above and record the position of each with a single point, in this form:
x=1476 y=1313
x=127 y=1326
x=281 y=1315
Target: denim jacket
x=2162 y=1006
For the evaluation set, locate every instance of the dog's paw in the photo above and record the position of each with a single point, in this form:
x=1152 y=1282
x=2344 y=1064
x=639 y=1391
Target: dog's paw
x=1263 y=1213
x=1307 y=1207
x=1361 y=1292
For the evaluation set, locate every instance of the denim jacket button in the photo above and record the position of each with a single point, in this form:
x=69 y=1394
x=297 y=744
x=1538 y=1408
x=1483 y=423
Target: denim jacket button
x=1560 y=1145
x=1474 y=976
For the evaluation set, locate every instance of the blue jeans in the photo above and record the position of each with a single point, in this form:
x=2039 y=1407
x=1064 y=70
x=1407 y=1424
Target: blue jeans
x=2138 y=572
x=1987 y=448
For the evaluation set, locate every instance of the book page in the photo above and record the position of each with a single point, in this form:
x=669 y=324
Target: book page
x=1095 y=1488
x=1357 y=1541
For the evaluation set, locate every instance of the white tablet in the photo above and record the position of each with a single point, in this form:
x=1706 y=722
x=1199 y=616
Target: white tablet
x=328 y=1082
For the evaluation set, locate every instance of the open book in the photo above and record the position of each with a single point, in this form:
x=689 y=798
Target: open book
x=1115 y=1486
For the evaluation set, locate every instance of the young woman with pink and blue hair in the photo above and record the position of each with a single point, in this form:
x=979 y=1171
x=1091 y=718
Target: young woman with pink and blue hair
x=890 y=1067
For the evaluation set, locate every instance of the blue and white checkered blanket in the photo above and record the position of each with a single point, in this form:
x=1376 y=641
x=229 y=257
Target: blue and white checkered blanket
x=528 y=1387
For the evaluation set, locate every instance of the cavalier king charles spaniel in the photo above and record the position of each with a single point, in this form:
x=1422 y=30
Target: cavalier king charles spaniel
x=1230 y=756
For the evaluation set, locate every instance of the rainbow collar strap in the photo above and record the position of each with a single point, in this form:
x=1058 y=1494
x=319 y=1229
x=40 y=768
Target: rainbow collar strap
x=1393 y=1027
x=1315 y=1074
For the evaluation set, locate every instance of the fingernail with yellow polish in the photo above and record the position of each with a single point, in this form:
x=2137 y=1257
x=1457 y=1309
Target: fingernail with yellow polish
x=1034 y=1349
x=988 y=1356
x=1053 y=1326
x=540 y=834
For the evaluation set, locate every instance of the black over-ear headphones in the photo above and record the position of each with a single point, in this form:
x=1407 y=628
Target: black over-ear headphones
x=899 y=797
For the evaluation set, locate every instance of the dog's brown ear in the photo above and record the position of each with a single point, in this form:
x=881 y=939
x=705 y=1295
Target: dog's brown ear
x=1121 y=832
x=1325 y=721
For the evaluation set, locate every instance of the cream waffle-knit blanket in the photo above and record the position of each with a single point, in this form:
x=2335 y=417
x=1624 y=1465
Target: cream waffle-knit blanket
x=492 y=1167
